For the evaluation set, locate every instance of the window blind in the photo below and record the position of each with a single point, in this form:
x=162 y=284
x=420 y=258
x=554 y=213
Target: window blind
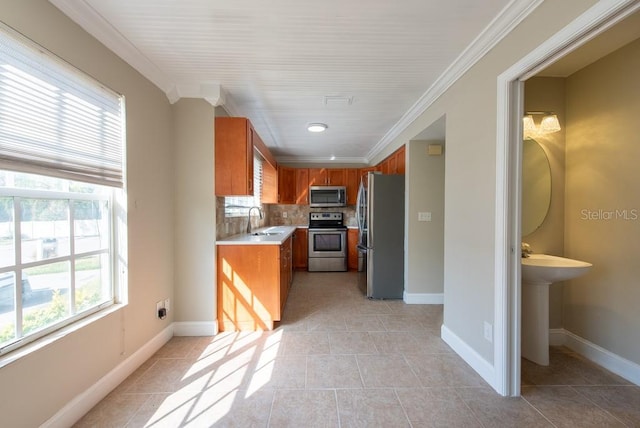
x=236 y=206
x=56 y=120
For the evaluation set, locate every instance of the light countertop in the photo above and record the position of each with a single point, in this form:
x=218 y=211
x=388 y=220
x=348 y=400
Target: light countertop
x=276 y=236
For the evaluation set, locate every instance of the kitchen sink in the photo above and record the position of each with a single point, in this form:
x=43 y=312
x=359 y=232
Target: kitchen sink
x=265 y=233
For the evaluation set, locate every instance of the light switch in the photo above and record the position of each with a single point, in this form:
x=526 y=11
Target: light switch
x=424 y=216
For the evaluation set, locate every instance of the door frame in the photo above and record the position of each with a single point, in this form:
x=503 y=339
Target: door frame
x=507 y=294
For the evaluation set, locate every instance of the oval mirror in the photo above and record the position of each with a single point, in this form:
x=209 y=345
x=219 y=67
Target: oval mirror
x=536 y=186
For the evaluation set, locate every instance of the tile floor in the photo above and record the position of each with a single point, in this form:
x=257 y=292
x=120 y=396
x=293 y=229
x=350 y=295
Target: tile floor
x=340 y=360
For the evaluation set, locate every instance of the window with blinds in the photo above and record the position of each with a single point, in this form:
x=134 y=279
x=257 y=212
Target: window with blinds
x=237 y=206
x=56 y=120
x=61 y=170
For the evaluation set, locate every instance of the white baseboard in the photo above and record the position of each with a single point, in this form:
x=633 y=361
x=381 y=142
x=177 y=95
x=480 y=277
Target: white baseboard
x=195 y=328
x=82 y=403
x=479 y=364
x=423 y=298
x=557 y=337
x=607 y=359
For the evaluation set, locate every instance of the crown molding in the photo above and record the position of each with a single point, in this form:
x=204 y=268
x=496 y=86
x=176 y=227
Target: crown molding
x=498 y=28
x=93 y=23
x=319 y=159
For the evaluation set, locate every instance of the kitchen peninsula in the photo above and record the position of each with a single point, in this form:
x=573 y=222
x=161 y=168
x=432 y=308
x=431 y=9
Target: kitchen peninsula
x=254 y=277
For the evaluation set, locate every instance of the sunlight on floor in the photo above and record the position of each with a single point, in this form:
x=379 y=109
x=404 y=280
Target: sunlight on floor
x=213 y=382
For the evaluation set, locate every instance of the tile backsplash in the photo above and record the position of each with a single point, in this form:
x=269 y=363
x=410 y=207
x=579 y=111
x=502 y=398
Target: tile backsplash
x=299 y=214
x=274 y=215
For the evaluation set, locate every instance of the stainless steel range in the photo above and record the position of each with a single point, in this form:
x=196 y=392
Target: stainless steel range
x=327 y=242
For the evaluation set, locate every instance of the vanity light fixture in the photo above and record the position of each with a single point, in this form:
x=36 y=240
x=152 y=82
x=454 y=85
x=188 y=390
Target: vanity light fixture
x=548 y=124
x=317 y=127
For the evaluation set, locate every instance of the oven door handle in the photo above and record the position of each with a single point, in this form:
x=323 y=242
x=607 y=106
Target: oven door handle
x=316 y=230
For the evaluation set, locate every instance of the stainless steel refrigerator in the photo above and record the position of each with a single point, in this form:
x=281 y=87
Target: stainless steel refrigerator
x=380 y=216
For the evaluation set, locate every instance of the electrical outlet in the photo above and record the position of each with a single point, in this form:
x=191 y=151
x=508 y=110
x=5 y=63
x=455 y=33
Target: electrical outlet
x=159 y=305
x=167 y=304
x=284 y=214
x=424 y=216
x=488 y=331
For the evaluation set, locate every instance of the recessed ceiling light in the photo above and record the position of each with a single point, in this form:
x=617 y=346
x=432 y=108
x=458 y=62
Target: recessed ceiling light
x=316 y=127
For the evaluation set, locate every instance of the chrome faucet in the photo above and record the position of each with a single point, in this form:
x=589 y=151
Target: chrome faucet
x=249 y=219
x=525 y=249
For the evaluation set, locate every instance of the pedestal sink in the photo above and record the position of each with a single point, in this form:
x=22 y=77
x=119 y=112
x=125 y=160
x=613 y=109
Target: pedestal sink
x=539 y=271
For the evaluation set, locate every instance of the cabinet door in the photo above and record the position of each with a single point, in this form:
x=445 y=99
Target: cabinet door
x=393 y=165
x=269 y=184
x=384 y=166
x=255 y=273
x=286 y=185
x=317 y=176
x=336 y=177
x=400 y=160
x=352 y=254
x=300 y=249
x=285 y=272
x=233 y=156
x=353 y=183
x=302 y=186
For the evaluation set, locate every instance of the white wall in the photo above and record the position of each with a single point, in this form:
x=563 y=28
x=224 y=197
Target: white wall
x=425 y=240
x=35 y=387
x=195 y=217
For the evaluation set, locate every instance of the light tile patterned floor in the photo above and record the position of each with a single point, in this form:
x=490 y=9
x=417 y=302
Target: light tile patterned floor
x=340 y=360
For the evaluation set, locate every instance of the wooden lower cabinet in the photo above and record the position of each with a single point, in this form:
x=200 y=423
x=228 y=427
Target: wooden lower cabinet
x=352 y=249
x=301 y=249
x=252 y=283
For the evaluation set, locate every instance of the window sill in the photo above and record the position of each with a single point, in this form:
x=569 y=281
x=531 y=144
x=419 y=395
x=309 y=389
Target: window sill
x=43 y=342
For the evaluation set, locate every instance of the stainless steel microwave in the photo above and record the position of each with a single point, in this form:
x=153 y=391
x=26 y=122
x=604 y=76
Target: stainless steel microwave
x=327 y=196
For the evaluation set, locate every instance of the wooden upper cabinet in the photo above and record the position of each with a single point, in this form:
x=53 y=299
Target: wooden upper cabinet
x=269 y=184
x=302 y=186
x=286 y=185
x=233 y=156
x=337 y=177
x=353 y=183
x=401 y=161
x=394 y=163
x=236 y=142
x=327 y=177
x=317 y=176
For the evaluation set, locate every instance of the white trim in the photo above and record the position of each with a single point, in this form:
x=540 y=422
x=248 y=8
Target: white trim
x=195 y=328
x=507 y=311
x=82 y=403
x=467 y=353
x=606 y=359
x=320 y=159
x=83 y=14
x=493 y=33
x=557 y=337
x=423 y=298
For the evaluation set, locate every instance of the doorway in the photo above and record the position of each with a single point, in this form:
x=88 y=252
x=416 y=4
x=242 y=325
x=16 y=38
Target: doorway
x=592 y=23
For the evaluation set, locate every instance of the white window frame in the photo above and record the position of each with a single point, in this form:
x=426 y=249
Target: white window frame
x=65 y=164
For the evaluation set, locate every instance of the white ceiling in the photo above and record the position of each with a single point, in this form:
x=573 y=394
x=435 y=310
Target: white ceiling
x=365 y=68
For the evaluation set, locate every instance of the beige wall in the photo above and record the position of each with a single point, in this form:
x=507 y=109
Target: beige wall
x=195 y=213
x=37 y=386
x=470 y=173
x=603 y=149
x=425 y=240
x=548 y=94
